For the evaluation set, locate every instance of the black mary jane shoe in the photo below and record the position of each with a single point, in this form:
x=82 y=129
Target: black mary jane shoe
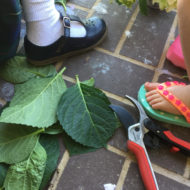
x=67 y=46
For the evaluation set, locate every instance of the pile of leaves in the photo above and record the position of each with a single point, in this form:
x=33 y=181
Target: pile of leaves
x=129 y=3
x=42 y=111
x=167 y=5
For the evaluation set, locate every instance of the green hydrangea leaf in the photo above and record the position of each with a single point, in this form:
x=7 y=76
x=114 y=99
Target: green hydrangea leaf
x=18 y=70
x=51 y=145
x=35 y=102
x=75 y=148
x=27 y=175
x=3 y=172
x=16 y=142
x=85 y=115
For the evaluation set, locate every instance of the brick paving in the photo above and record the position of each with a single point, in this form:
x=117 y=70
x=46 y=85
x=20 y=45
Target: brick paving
x=133 y=52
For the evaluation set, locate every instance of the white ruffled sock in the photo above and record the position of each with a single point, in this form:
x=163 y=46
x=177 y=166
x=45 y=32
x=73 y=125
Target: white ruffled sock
x=43 y=23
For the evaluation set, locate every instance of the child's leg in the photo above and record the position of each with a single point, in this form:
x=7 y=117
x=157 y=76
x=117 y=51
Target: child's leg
x=184 y=29
x=181 y=92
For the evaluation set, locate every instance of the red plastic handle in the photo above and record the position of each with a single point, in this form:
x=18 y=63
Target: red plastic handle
x=176 y=140
x=143 y=164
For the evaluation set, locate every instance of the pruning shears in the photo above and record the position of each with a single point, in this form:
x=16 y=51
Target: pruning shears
x=135 y=143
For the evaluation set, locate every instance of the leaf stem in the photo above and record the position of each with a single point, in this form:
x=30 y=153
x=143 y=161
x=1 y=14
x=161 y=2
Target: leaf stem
x=38 y=131
x=62 y=70
x=77 y=79
x=63 y=4
x=85 y=104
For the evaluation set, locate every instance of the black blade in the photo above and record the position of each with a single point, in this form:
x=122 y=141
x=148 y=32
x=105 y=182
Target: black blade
x=124 y=116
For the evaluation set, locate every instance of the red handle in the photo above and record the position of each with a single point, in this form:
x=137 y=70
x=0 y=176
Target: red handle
x=176 y=140
x=143 y=164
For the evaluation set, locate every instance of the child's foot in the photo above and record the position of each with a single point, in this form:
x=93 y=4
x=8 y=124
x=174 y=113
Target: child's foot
x=158 y=102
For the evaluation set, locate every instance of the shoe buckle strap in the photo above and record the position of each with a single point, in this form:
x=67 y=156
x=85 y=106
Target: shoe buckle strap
x=66 y=22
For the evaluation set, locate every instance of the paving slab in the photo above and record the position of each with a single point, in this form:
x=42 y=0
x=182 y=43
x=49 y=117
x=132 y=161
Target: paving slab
x=147 y=40
x=91 y=171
